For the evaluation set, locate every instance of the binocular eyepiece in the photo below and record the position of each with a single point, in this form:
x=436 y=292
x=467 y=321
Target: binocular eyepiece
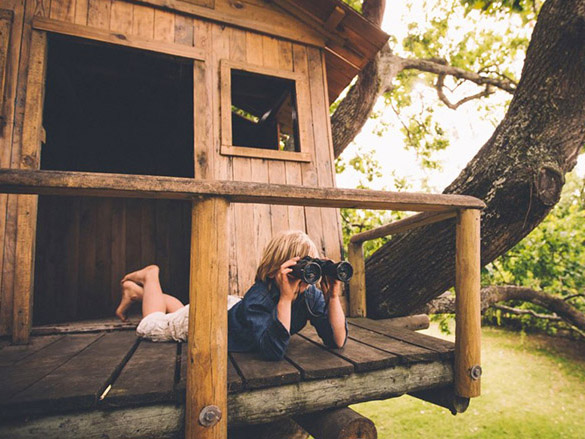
x=310 y=270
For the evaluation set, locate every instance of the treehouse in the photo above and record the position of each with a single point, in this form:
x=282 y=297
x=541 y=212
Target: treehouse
x=186 y=133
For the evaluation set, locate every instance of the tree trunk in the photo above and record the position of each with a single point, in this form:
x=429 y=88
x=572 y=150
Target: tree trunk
x=518 y=173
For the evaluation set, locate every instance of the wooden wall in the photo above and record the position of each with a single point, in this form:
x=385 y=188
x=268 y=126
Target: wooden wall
x=251 y=226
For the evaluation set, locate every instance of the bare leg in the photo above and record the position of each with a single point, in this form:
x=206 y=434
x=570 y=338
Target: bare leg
x=153 y=298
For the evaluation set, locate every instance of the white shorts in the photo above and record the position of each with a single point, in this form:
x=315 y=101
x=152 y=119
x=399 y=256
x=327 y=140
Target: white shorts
x=159 y=326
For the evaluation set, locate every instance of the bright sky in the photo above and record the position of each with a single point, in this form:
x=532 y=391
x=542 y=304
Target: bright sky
x=466 y=131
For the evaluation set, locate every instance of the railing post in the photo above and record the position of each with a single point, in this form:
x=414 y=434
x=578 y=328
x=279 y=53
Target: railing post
x=467 y=304
x=357 y=284
x=206 y=397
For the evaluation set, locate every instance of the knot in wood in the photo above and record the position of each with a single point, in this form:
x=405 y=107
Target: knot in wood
x=549 y=181
x=209 y=416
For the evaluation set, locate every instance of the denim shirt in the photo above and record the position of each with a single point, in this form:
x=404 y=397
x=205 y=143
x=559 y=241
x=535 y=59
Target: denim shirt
x=254 y=326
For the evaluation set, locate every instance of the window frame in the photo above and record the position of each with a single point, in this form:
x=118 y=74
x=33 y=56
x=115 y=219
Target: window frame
x=227 y=148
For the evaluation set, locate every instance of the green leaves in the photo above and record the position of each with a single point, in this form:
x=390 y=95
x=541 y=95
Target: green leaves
x=552 y=257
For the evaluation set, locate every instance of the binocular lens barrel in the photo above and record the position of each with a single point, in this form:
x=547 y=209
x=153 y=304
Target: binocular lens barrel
x=309 y=270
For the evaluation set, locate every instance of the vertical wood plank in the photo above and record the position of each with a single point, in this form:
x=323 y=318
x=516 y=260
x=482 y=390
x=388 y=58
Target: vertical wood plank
x=27 y=204
x=164 y=26
x=88 y=294
x=133 y=240
x=63 y=10
x=118 y=248
x=120 y=17
x=216 y=42
x=357 y=284
x=98 y=14
x=313 y=222
x=207 y=340
x=276 y=168
x=103 y=250
x=71 y=293
x=243 y=170
x=256 y=54
x=81 y=10
x=147 y=233
x=183 y=30
x=292 y=170
x=143 y=22
x=319 y=104
x=467 y=303
x=8 y=202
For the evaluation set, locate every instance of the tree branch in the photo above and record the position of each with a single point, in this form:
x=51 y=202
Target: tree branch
x=439 y=67
x=441 y=84
x=490 y=296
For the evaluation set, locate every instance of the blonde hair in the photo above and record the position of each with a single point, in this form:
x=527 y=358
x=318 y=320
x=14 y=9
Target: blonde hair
x=281 y=248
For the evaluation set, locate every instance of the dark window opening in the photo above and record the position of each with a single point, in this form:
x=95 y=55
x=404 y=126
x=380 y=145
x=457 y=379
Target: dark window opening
x=264 y=112
x=118 y=110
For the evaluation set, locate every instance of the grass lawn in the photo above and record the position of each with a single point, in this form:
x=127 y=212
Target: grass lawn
x=532 y=387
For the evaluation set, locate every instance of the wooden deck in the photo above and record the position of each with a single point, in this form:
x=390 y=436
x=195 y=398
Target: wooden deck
x=75 y=382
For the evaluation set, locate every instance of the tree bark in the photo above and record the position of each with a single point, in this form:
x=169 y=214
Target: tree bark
x=518 y=173
x=492 y=295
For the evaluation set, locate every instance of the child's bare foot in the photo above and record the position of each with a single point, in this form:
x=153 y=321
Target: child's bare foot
x=139 y=276
x=131 y=292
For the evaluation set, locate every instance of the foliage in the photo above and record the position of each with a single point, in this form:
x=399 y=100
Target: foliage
x=551 y=258
x=489 y=42
x=357 y=220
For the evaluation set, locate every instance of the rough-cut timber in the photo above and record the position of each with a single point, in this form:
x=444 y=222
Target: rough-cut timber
x=518 y=173
x=140 y=186
x=342 y=423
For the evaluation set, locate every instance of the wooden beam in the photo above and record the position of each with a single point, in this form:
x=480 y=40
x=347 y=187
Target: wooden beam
x=357 y=284
x=443 y=397
x=254 y=407
x=468 y=305
x=403 y=225
x=140 y=186
x=118 y=38
x=339 y=423
x=334 y=19
x=207 y=340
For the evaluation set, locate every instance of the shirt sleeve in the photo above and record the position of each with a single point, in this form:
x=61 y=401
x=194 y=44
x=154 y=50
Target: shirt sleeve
x=270 y=336
x=320 y=320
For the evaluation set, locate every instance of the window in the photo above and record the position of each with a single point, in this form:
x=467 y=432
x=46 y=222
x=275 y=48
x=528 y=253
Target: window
x=117 y=109
x=260 y=113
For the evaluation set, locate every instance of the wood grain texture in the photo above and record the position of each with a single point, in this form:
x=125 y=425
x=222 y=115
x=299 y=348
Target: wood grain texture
x=140 y=186
x=141 y=35
x=257 y=372
x=27 y=205
x=315 y=363
x=402 y=225
x=79 y=382
x=207 y=345
x=148 y=377
x=467 y=303
x=357 y=284
x=362 y=356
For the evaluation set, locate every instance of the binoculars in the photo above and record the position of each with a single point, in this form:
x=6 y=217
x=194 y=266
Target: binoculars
x=310 y=270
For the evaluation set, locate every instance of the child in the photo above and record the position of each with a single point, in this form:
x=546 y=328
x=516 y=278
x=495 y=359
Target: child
x=274 y=308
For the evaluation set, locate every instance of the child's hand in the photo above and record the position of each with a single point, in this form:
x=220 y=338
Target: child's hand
x=287 y=285
x=331 y=287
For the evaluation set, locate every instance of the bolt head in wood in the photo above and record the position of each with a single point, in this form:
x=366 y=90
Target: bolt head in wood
x=209 y=416
x=475 y=372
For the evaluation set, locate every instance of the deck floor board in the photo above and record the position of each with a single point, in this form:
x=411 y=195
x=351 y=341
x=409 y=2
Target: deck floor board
x=65 y=373
x=79 y=381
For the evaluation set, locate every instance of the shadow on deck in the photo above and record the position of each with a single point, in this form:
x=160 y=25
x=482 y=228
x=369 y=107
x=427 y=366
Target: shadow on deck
x=111 y=384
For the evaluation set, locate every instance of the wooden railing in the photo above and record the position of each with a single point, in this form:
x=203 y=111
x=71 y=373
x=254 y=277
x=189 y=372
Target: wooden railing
x=467 y=287
x=206 y=396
